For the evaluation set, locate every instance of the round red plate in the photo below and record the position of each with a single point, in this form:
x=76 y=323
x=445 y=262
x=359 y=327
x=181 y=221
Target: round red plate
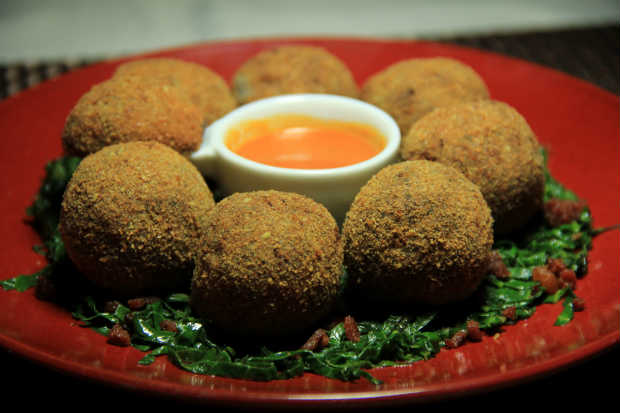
x=578 y=122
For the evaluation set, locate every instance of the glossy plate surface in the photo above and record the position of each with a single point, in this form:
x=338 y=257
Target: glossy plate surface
x=577 y=121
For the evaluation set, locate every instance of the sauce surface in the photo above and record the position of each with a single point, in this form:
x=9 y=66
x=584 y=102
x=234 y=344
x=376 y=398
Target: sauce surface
x=304 y=142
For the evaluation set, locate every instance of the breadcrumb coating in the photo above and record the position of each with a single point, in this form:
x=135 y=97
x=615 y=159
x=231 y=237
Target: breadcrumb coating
x=411 y=88
x=163 y=100
x=132 y=215
x=130 y=108
x=418 y=233
x=270 y=264
x=293 y=69
x=200 y=85
x=494 y=147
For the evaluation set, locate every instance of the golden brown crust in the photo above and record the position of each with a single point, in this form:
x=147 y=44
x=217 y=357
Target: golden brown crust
x=131 y=109
x=417 y=233
x=199 y=84
x=164 y=100
x=270 y=264
x=293 y=69
x=411 y=88
x=494 y=147
x=131 y=217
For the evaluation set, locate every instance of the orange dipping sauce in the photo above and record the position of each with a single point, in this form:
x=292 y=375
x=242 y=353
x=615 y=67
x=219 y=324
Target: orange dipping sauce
x=304 y=142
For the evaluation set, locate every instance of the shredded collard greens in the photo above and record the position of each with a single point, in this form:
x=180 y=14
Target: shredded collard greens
x=384 y=341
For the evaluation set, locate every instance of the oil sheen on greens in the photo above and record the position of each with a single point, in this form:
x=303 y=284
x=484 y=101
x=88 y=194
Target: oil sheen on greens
x=386 y=340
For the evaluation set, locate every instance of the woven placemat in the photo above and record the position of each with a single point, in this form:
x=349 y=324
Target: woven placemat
x=590 y=54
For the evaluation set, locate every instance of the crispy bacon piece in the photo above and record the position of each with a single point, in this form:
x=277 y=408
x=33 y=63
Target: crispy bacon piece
x=568 y=278
x=351 y=330
x=497 y=266
x=562 y=211
x=141 y=302
x=546 y=278
x=457 y=339
x=510 y=312
x=473 y=331
x=579 y=304
x=168 y=325
x=318 y=340
x=555 y=265
x=119 y=336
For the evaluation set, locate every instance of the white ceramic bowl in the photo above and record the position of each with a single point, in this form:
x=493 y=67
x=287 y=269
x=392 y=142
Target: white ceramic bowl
x=335 y=187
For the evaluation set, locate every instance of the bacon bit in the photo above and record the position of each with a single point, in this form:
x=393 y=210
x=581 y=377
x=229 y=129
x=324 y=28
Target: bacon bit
x=457 y=339
x=579 y=304
x=351 y=331
x=324 y=342
x=168 y=325
x=473 y=331
x=119 y=336
x=556 y=265
x=546 y=278
x=562 y=211
x=568 y=278
x=318 y=340
x=141 y=302
x=497 y=266
x=510 y=312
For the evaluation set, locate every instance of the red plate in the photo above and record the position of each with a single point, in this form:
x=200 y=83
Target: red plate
x=577 y=121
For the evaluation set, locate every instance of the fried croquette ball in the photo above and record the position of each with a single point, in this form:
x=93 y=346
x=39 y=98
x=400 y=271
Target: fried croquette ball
x=494 y=147
x=418 y=233
x=270 y=264
x=200 y=85
x=132 y=108
x=131 y=218
x=411 y=88
x=292 y=69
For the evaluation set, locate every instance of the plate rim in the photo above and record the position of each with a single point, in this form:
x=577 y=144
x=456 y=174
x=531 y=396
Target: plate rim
x=548 y=366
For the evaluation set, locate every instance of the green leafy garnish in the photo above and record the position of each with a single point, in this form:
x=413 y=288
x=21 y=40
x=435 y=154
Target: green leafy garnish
x=193 y=345
x=23 y=282
x=44 y=213
x=45 y=209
